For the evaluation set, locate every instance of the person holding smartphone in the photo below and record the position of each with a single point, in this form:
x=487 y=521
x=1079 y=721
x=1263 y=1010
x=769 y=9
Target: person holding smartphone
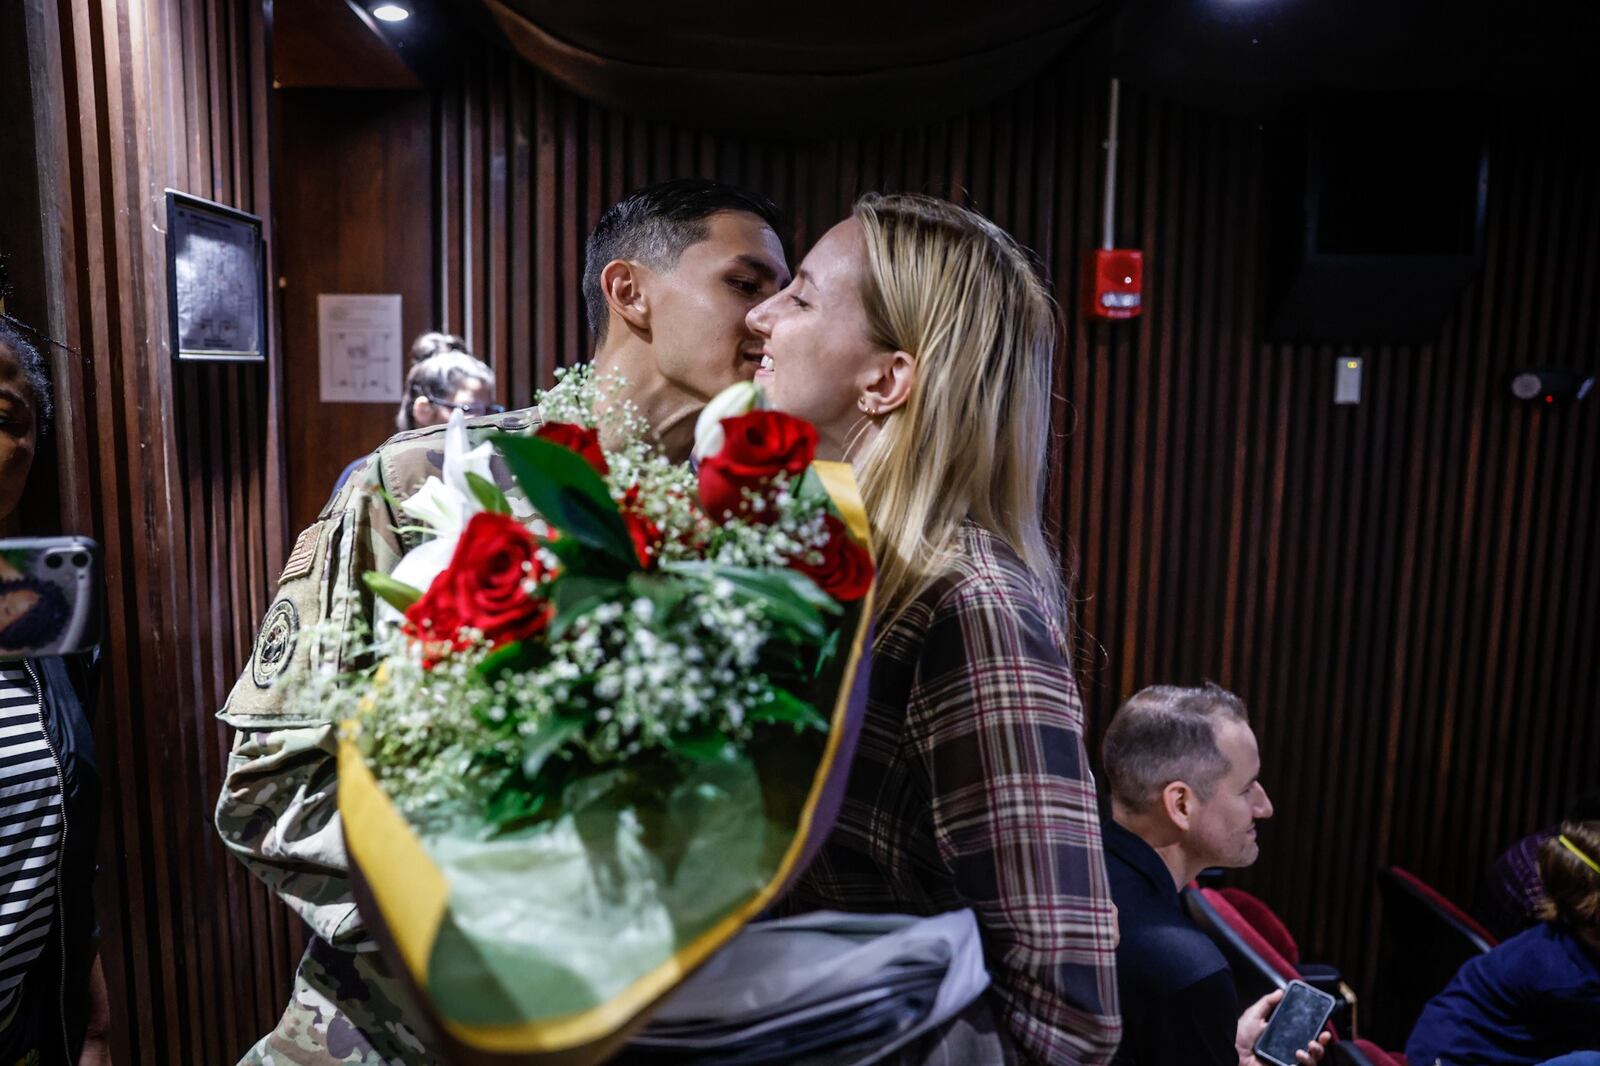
x=1184 y=774
x=53 y=1005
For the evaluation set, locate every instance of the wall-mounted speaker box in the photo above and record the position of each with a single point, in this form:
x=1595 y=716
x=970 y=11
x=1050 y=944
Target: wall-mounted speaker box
x=1375 y=217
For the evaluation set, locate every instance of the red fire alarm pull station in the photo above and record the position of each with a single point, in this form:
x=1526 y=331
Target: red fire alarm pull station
x=1113 y=278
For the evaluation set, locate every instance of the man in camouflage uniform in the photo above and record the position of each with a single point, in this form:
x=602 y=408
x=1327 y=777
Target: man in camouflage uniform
x=670 y=273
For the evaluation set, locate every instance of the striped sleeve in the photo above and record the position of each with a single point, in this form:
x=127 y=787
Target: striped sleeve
x=30 y=832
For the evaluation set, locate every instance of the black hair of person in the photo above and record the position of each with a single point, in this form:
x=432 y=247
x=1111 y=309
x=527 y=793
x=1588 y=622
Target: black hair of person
x=35 y=374
x=654 y=226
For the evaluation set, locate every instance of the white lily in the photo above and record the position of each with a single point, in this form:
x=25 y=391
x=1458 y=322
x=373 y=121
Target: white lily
x=735 y=400
x=444 y=505
x=437 y=506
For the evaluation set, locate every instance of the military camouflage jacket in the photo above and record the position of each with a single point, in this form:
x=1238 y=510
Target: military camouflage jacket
x=277 y=811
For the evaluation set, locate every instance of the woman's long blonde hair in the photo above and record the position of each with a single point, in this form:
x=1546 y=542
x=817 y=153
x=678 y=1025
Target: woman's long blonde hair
x=956 y=293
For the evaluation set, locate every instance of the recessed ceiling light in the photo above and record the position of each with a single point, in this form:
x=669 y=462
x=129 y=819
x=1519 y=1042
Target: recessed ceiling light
x=389 y=11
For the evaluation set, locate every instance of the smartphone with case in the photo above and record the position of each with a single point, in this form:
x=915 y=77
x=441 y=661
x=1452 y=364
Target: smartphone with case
x=1300 y=1015
x=49 y=596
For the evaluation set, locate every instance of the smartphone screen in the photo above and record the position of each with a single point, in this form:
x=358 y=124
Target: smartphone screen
x=1299 y=1017
x=49 y=596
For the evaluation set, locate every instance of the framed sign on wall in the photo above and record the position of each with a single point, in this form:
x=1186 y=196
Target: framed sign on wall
x=216 y=281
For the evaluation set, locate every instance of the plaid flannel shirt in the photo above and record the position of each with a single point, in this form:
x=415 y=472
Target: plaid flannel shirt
x=971 y=788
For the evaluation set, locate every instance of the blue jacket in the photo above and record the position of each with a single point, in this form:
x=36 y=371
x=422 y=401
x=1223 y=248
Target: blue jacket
x=1532 y=998
x=64 y=972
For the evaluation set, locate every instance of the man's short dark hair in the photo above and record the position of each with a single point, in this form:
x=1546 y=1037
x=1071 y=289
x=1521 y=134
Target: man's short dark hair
x=1167 y=733
x=34 y=373
x=654 y=225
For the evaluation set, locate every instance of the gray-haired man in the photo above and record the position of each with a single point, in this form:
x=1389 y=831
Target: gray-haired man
x=1184 y=774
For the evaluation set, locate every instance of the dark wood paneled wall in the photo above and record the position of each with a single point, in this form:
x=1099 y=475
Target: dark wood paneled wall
x=355 y=180
x=177 y=471
x=1403 y=590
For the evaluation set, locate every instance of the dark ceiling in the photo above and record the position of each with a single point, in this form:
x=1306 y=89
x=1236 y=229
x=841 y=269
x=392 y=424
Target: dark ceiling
x=1258 y=54
x=823 y=66
x=833 y=65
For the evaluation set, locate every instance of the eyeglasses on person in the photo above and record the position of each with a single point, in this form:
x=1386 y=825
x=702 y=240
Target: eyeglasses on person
x=471 y=409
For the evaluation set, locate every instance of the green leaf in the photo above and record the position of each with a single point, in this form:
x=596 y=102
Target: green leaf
x=570 y=494
x=785 y=706
x=489 y=494
x=514 y=803
x=786 y=584
x=507 y=655
x=549 y=738
x=663 y=591
x=709 y=745
x=570 y=590
x=575 y=595
x=396 y=594
x=573 y=555
x=825 y=655
x=788 y=597
x=811 y=489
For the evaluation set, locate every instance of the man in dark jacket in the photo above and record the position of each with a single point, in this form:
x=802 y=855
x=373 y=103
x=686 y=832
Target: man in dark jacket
x=53 y=1007
x=1183 y=770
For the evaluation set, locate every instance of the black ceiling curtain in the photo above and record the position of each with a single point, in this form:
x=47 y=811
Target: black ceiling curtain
x=816 y=68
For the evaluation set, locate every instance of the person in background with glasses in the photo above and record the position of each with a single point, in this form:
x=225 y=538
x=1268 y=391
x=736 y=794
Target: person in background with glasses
x=444 y=377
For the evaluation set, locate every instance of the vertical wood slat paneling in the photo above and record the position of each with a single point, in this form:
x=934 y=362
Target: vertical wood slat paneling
x=1398 y=588
x=1401 y=590
x=176 y=471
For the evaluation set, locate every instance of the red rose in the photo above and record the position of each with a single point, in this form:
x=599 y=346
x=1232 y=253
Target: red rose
x=645 y=534
x=757 y=447
x=586 y=442
x=646 y=537
x=483 y=588
x=844 y=568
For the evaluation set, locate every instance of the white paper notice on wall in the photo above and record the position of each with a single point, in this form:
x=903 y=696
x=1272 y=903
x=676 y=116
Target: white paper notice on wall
x=360 y=355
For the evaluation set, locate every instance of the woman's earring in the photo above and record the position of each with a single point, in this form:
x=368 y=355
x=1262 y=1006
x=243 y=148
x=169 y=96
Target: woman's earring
x=871 y=409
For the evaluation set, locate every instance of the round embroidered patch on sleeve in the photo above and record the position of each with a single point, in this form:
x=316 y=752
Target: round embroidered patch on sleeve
x=275 y=645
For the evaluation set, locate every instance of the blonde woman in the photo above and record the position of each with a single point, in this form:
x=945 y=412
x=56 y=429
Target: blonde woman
x=918 y=339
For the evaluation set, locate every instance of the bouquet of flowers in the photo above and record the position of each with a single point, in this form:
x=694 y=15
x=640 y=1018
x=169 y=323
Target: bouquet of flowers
x=610 y=705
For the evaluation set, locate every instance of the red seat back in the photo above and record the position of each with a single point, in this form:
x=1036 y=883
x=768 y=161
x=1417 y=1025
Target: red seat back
x=1247 y=932
x=1425 y=940
x=1442 y=903
x=1377 y=1056
x=1262 y=919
